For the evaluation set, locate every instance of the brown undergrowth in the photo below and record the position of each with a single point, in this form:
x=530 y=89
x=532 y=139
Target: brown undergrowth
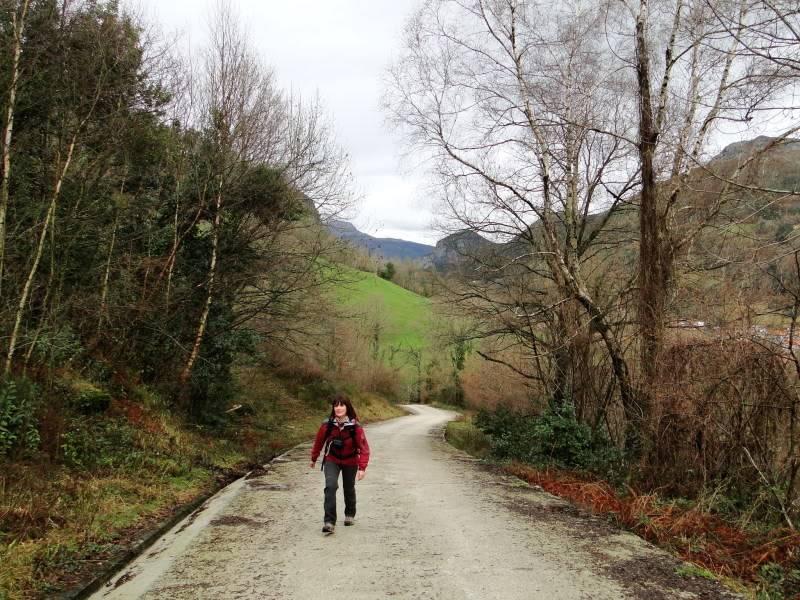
x=694 y=534
x=99 y=481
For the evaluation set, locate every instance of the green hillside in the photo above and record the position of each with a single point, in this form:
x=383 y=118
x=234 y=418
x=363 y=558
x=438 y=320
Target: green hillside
x=402 y=317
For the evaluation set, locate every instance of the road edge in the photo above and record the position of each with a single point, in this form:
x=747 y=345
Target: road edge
x=151 y=536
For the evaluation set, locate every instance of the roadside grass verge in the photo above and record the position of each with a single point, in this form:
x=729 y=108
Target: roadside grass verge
x=121 y=473
x=465 y=436
x=764 y=564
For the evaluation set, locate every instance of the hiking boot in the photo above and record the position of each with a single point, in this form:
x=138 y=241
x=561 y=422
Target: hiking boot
x=349 y=521
x=327 y=528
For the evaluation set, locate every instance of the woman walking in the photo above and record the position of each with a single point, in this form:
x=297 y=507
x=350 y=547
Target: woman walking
x=344 y=449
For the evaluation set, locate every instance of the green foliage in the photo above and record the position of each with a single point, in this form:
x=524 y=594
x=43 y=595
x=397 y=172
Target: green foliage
x=86 y=398
x=100 y=444
x=689 y=570
x=65 y=557
x=56 y=346
x=451 y=394
x=465 y=436
x=125 y=264
x=387 y=272
x=316 y=394
x=459 y=351
x=554 y=437
x=776 y=582
x=212 y=386
x=18 y=431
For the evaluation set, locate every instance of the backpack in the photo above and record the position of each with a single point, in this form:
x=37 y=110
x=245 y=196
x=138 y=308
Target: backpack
x=332 y=449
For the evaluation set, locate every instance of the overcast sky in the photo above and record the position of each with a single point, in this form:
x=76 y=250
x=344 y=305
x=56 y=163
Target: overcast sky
x=340 y=50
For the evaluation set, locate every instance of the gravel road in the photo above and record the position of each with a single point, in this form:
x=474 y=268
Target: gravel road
x=432 y=523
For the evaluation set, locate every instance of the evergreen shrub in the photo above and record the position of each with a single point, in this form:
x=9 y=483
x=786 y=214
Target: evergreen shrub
x=18 y=422
x=552 y=438
x=107 y=443
x=86 y=398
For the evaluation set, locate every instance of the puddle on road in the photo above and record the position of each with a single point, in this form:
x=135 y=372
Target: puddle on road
x=125 y=577
x=257 y=472
x=264 y=485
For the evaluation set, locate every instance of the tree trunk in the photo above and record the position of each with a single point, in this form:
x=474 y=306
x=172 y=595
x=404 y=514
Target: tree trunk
x=19 y=26
x=106 y=276
x=653 y=266
x=174 y=252
x=632 y=403
x=23 y=300
x=47 y=311
x=212 y=271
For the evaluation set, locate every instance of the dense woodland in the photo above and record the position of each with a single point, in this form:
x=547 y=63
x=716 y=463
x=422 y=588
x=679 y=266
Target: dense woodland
x=620 y=298
x=161 y=224
x=158 y=215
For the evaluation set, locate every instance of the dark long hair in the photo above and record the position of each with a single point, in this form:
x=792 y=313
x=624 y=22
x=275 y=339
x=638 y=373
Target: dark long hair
x=343 y=399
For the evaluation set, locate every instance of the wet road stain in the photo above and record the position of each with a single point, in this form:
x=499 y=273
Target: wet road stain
x=235 y=520
x=263 y=485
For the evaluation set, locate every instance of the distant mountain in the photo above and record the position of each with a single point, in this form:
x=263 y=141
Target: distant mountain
x=747 y=147
x=388 y=248
x=459 y=247
x=778 y=168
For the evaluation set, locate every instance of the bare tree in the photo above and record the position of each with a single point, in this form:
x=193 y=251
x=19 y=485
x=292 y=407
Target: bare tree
x=250 y=125
x=241 y=114
x=522 y=113
x=692 y=76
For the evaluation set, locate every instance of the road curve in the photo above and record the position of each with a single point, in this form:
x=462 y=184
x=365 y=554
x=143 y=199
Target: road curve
x=432 y=523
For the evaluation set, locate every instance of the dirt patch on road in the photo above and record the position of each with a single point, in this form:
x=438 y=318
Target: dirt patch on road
x=236 y=521
x=193 y=517
x=563 y=515
x=257 y=471
x=655 y=579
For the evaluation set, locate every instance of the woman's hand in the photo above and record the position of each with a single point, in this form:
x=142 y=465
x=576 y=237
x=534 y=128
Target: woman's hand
x=313 y=464
x=360 y=475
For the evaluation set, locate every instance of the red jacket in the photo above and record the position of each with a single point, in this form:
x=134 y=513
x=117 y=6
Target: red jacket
x=347 y=454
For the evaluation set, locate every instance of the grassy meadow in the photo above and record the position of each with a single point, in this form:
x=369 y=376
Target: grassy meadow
x=395 y=319
x=405 y=315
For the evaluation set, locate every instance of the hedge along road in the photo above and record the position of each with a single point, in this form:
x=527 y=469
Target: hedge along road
x=432 y=523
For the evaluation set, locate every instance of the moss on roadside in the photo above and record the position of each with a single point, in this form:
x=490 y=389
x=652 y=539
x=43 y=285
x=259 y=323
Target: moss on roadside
x=465 y=436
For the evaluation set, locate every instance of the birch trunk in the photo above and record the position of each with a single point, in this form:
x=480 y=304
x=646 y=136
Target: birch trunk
x=47 y=299
x=106 y=276
x=18 y=26
x=23 y=300
x=212 y=271
x=653 y=273
x=174 y=252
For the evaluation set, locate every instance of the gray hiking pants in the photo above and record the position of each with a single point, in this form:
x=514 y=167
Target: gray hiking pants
x=332 y=471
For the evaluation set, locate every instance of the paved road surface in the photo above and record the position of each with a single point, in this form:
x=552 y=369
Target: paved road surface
x=431 y=523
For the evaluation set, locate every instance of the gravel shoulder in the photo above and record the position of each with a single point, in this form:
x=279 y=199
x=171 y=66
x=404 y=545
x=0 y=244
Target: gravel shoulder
x=432 y=523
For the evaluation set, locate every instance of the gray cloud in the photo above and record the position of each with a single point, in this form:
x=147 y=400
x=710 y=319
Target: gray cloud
x=338 y=50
